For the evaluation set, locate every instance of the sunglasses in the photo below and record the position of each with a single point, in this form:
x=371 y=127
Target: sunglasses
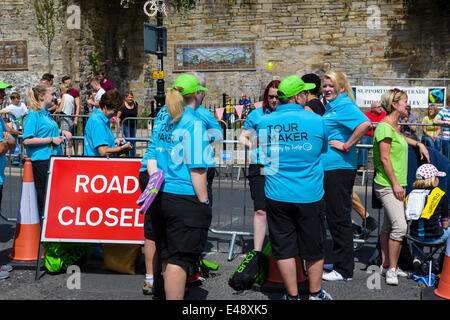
x=272 y=97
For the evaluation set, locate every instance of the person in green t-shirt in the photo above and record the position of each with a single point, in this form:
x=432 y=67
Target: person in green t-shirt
x=390 y=154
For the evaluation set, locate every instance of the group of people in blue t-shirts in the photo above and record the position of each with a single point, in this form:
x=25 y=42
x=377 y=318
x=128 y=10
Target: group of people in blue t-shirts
x=301 y=174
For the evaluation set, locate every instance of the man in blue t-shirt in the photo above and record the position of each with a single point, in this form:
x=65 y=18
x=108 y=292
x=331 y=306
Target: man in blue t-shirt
x=293 y=141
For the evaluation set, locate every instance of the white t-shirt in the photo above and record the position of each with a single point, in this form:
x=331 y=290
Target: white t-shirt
x=99 y=94
x=69 y=104
x=18 y=110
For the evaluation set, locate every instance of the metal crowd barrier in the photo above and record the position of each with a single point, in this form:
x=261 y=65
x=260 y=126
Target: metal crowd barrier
x=231 y=158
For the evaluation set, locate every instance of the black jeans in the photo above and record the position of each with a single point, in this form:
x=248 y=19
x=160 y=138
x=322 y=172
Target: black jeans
x=338 y=186
x=40 y=175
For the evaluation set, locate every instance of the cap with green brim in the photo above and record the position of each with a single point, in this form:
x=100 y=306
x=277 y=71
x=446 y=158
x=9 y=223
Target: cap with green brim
x=189 y=83
x=292 y=85
x=4 y=85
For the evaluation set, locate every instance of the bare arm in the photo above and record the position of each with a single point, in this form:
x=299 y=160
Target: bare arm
x=357 y=134
x=61 y=104
x=244 y=138
x=77 y=110
x=152 y=166
x=107 y=151
x=422 y=148
x=198 y=177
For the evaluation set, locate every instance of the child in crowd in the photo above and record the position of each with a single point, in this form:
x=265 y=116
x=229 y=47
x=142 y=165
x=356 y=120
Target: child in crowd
x=427 y=207
x=16 y=111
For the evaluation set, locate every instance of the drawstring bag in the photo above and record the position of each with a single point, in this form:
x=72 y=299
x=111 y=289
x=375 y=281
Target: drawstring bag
x=253 y=269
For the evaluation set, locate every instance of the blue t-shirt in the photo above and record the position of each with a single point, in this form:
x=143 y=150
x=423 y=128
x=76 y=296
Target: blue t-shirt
x=97 y=133
x=341 y=117
x=252 y=123
x=293 y=140
x=178 y=148
x=214 y=131
x=41 y=125
x=150 y=152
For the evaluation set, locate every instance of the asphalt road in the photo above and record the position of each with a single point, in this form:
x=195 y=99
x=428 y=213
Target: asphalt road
x=99 y=284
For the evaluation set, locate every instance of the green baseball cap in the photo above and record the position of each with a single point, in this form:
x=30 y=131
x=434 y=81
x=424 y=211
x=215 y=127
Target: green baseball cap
x=4 y=85
x=292 y=85
x=189 y=83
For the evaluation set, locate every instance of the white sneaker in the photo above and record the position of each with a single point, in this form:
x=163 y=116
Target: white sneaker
x=400 y=272
x=334 y=276
x=391 y=277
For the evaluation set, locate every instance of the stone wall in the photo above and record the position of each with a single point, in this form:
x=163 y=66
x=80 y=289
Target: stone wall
x=297 y=36
x=17 y=22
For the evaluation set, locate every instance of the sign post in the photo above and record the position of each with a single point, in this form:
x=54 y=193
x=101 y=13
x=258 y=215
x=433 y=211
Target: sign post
x=155 y=42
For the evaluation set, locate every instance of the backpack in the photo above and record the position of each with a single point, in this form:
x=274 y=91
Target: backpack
x=253 y=269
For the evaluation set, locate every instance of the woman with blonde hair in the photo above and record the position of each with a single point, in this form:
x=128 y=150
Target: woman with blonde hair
x=431 y=134
x=181 y=213
x=345 y=125
x=41 y=137
x=390 y=156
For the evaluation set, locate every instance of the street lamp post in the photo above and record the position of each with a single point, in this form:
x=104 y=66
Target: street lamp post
x=160 y=94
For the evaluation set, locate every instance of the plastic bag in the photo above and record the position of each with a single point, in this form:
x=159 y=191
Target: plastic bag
x=59 y=256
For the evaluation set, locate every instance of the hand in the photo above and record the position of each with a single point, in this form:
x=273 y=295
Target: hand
x=119 y=141
x=90 y=101
x=57 y=140
x=75 y=121
x=67 y=134
x=399 y=192
x=337 y=144
x=423 y=152
x=126 y=147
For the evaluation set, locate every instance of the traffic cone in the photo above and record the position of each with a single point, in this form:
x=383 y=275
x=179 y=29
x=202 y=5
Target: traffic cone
x=274 y=275
x=28 y=228
x=443 y=289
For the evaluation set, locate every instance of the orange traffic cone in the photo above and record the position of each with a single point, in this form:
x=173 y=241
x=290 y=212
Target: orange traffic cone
x=28 y=228
x=273 y=275
x=443 y=289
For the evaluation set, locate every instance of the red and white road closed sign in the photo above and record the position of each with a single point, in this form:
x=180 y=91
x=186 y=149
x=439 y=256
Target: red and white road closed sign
x=93 y=200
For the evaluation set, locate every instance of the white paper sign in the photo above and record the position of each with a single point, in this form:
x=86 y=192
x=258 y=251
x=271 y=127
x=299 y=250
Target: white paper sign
x=418 y=97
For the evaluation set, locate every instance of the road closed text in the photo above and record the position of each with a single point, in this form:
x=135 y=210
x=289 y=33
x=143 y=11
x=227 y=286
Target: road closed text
x=111 y=217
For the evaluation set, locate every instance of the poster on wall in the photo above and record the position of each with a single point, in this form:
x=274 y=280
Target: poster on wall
x=418 y=97
x=13 y=55
x=214 y=56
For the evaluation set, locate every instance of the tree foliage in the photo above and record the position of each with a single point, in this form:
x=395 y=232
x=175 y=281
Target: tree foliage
x=48 y=13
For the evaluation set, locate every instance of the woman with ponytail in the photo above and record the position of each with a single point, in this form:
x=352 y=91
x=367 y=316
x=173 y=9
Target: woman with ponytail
x=345 y=125
x=179 y=217
x=390 y=157
x=42 y=137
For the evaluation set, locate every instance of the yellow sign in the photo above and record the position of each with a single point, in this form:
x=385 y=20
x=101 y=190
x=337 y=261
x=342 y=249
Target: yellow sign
x=158 y=75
